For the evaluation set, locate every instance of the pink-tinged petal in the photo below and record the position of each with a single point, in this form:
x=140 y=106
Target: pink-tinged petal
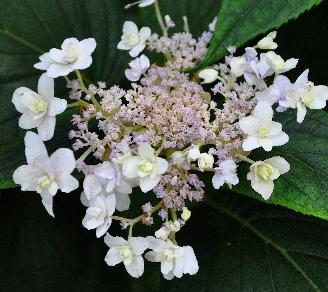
x=91 y=186
x=217 y=181
x=34 y=147
x=67 y=183
x=46 y=87
x=56 y=106
x=46 y=129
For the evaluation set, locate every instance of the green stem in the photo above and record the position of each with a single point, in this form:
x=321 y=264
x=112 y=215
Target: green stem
x=244 y=158
x=160 y=18
x=85 y=154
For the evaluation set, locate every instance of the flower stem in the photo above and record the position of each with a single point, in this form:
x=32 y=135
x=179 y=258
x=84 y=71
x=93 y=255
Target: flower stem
x=85 y=154
x=160 y=18
x=244 y=158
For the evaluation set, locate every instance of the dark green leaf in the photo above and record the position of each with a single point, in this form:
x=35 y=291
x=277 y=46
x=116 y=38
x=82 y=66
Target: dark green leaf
x=305 y=187
x=241 y=245
x=241 y=20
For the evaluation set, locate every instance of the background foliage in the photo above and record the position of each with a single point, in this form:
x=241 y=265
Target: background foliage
x=245 y=245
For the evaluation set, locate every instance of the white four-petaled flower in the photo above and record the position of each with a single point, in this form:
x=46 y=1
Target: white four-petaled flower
x=146 y=166
x=138 y=66
x=73 y=55
x=261 y=131
x=39 y=110
x=99 y=214
x=133 y=40
x=263 y=173
x=43 y=174
x=127 y=251
x=175 y=260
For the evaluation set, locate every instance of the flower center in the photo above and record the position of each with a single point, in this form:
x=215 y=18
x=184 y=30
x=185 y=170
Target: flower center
x=43 y=183
x=34 y=103
x=130 y=39
x=146 y=167
x=125 y=252
x=263 y=132
x=265 y=171
x=168 y=254
x=71 y=54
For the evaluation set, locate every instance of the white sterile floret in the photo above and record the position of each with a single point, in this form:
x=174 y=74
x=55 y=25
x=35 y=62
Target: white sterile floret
x=99 y=214
x=146 y=166
x=267 y=42
x=43 y=174
x=178 y=158
x=139 y=66
x=261 y=131
x=186 y=214
x=73 y=55
x=277 y=64
x=127 y=251
x=304 y=94
x=263 y=173
x=175 y=260
x=193 y=153
x=132 y=39
x=238 y=66
x=208 y=75
x=225 y=173
x=205 y=161
x=163 y=233
x=39 y=110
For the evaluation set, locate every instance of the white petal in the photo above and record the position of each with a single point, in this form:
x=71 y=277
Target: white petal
x=91 y=186
x=250 y=143
x=146 y=151
x=110 y=204
x=16 y=99
x=46 y=129
x=129 y=27
x=280 y=139
x=190 y=264
x=27 y=121
x=266 y=143
x=136 y=267
x=320 y=96
x=279 y=163
x=102 y=229
x=46 y=61
x=162 y=165
x=57 y=55
x=148 y=183
x=166 y=266
x=138 y=245
x=56 y=70
x=217 y=181
x=46 y=86
x=145 y=33
x=123 y=46
x=113 y=257
x=122 y=201
x=68 y=41
x=63 y=160
x=303 y=78
x=301 y=112
x=264 y=188
x=249 y=125
x=47 y=202
x=114 y=241
x=88 y=45
x=34 y=147
x=132 y=75
x=263 y=111
x=135 y=51
x=130 y=166
x=56 y=106
x=153 y=256
x=67 y=183
x=27 y=176
x=82 y=63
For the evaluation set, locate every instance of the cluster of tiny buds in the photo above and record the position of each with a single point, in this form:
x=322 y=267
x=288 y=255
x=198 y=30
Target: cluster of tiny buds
x=160 y=134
